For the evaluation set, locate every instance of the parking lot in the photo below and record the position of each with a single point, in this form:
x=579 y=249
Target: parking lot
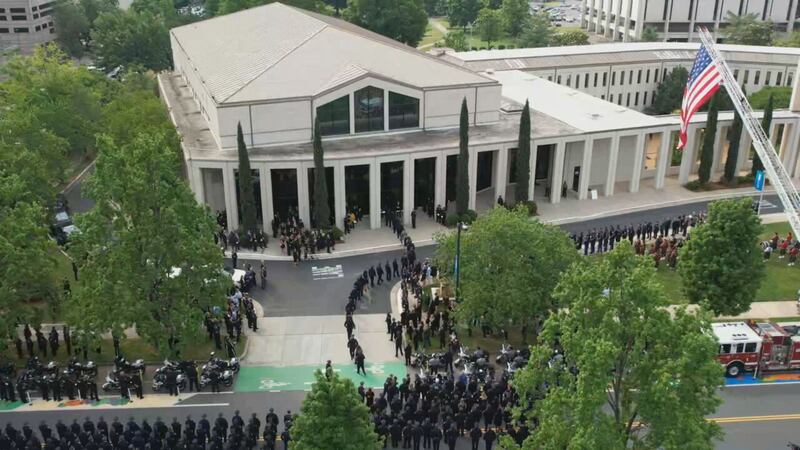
x=563 y=14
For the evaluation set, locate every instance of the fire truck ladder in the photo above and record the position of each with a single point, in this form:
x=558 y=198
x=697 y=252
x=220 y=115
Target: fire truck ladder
x=775 y=171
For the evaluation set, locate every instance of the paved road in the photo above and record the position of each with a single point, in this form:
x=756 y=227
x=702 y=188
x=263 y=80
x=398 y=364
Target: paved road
x=77 y=203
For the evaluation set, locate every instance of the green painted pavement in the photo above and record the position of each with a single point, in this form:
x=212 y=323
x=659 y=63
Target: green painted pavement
x=300 y=378
x=8 y=406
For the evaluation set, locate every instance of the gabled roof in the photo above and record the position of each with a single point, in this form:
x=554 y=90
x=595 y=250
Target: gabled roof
x=276 y=51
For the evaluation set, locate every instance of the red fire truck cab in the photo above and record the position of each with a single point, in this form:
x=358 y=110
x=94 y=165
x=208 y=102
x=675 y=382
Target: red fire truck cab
x=745 y=345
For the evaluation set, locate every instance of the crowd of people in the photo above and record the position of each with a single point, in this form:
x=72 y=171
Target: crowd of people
x=786 y=247
x=215 y=434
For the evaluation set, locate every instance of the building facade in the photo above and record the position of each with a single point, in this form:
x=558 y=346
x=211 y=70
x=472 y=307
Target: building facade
x=677 y=20
x=389 y=114
x=26 y=23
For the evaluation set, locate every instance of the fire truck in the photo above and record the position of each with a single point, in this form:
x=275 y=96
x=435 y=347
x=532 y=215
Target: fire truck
x=745 y=346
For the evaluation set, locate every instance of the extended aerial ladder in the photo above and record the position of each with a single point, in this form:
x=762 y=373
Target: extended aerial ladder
x=776 y=173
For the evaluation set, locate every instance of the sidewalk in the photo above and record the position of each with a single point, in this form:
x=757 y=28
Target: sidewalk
x=363 y=240
x=763 y=310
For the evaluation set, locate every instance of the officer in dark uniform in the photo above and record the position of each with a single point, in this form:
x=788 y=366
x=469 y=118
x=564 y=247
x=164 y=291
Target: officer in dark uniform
x=475 y=436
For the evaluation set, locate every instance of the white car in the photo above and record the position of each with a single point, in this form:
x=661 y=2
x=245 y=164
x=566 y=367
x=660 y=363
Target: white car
x=237 y=275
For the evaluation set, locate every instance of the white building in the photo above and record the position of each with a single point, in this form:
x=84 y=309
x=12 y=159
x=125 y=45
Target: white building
x=26 y=23
x=677 y=20
x=389 y=117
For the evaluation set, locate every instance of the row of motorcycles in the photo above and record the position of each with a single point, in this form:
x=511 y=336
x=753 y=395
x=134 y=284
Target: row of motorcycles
x=475 y=362
x=36 y=372
x=215 y=368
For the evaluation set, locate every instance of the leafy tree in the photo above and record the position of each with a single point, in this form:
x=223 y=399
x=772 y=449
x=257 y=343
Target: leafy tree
x=650 y=35
x=781 y=97
x=457 y=40
x=322 y=210
x=63 y=97
x=71 y=27
x=570 y=37
x=669 y=92
x=135 y=109
x=538 y=32
x=747 y=29
x=434 y=8
x=462 y=171
x=515 y=15
x=489 y=25
x=231 y=6
x=766 y=124
x=793 y=40
x=247 y=202
x=401 y=20
x=734 y=138
x=93 y=8
x=333 y=416
x=463 y=12
x=631 y=374
x=515 y=283
x=709 y=139
x=128 y=38
x=721 y=263
x=523 y=155
x=145 y=250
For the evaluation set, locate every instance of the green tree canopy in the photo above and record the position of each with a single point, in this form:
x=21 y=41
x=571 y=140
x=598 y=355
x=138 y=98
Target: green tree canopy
x=457 y=40
x=71 y=27
x=247 y=202
x=734 y=139
x=766 y=124
x=145 y=224
x=333 y=417
x=322 y=210
x=509 y=266
x=781 y=96
x=748 y=29
x=570 y=37
x=516 y=14
x=721 y=263
x=463 y=12
x=401 y=20
x=669 y=92
x=462 y=169
x=489 y=25
x=709 y=141
x=633 y=374
x=523 y=155
x=538 y=32
x=650 y=35
x=128 y=38
x=63 y=97
x=134 y=109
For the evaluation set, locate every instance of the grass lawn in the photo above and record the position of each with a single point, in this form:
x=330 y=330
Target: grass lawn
x=432 y=36
x=476 y=42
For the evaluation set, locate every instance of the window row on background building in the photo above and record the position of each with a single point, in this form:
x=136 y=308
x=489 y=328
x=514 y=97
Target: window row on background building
x=368 y=112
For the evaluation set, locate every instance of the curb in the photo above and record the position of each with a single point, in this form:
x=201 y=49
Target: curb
x=333 y=255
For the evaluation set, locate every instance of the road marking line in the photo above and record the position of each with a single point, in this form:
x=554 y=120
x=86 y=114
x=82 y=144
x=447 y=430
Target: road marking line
x=200 y=404
x=776 y=383
x=755 y=418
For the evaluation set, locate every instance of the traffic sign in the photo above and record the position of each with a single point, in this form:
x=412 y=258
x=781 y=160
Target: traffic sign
x=759 y=180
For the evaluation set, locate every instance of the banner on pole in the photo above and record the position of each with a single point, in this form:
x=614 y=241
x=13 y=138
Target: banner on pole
x=759 y=180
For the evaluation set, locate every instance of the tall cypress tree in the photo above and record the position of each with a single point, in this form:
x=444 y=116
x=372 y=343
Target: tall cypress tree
x=322 y=211
x=247 y=202
x=523 y=155
x=766 y=123
x=462 y=175
x=707 y=152
x=734 y=137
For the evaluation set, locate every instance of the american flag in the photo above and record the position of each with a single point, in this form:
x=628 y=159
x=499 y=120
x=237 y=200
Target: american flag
x=704 y=80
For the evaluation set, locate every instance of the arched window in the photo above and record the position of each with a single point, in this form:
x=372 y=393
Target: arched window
x=368 y=109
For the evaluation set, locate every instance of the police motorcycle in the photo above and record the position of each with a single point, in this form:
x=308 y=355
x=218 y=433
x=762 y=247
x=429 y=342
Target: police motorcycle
x=120 y=363
x=231 y=364
x=77 y=368
x=122 y=367
x=220 y=369
x=181 y=367
x=476 y=363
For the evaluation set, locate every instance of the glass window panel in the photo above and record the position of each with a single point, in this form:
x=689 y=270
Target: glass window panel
x=334 y=117
x=368 y=108
x=403 y=111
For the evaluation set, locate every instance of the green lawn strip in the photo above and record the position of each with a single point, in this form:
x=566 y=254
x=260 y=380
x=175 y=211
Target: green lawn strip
x=432 y=36
x=300 y=378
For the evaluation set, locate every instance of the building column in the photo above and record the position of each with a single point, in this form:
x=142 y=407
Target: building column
x=501 y=174
x=788 y=143
x=374 y=195
x=687 y=158
x=586 y=169
x=558 y=172
x=627 y=26
x=715 y=162
x=473 y=174
x=591 y=12
x=408 y=189
x=196 y=182
x=229 y=183
x=666 y=22
x=339 y=207
x=265 y=184
x=584 y=23
x=303 y=202
x=607 y=26
x=532 y=168
x=598 y=13
x=663 y=161
x=638 y=156
x=617 y=13
x=611 y=174
x=792 y=153
x=440 y=179
x=744 y=151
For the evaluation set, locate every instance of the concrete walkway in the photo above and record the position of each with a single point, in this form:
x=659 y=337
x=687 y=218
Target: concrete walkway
x=764 y=310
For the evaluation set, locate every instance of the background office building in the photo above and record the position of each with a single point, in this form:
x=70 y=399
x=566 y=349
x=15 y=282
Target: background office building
x=389 y=118
x=677 y=20
x=26 y=23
